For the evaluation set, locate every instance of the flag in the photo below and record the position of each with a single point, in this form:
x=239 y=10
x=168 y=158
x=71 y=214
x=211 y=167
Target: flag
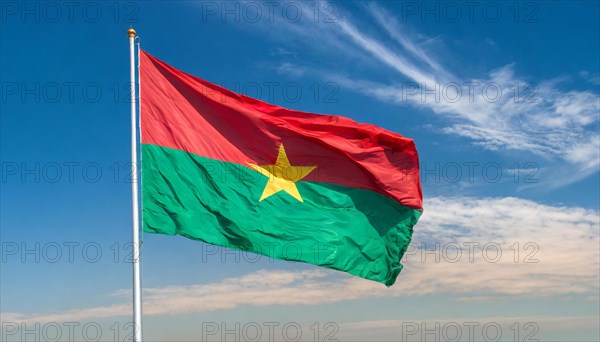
x=233 y=171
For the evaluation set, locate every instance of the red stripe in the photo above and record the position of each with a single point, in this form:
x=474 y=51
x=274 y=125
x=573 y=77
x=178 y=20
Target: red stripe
x=187 y=113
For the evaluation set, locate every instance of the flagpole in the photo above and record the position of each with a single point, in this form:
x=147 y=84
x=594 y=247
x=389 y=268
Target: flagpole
x=137 y=295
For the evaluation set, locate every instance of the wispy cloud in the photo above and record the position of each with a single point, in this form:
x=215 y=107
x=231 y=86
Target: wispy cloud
x=291 y=69
x=497 y=111
x=591 y=78
x=394 y=29
x=532 y=240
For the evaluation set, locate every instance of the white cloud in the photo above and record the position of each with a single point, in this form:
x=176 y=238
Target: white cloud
x=591 y=78
x=533 y=116
x=291 y=69
x=563 y=239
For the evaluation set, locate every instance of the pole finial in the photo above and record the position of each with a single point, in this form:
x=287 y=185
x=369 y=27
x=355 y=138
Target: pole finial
x=131 y=33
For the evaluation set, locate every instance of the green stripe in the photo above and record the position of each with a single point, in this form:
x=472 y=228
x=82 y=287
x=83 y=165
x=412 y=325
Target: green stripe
x=353 y=230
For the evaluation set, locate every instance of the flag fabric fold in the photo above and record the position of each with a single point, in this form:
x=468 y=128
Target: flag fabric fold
x=237 y=172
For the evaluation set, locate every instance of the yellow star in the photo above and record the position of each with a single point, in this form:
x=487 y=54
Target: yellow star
x=282 y=176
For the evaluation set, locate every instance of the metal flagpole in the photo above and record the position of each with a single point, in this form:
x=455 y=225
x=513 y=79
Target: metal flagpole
x=137 y=295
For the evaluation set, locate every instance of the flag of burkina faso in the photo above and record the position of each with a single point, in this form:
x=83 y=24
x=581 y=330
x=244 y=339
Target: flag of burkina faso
x=237 y=172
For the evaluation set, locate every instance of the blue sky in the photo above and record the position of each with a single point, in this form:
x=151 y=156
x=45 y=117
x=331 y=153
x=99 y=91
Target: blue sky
x=512 y=172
